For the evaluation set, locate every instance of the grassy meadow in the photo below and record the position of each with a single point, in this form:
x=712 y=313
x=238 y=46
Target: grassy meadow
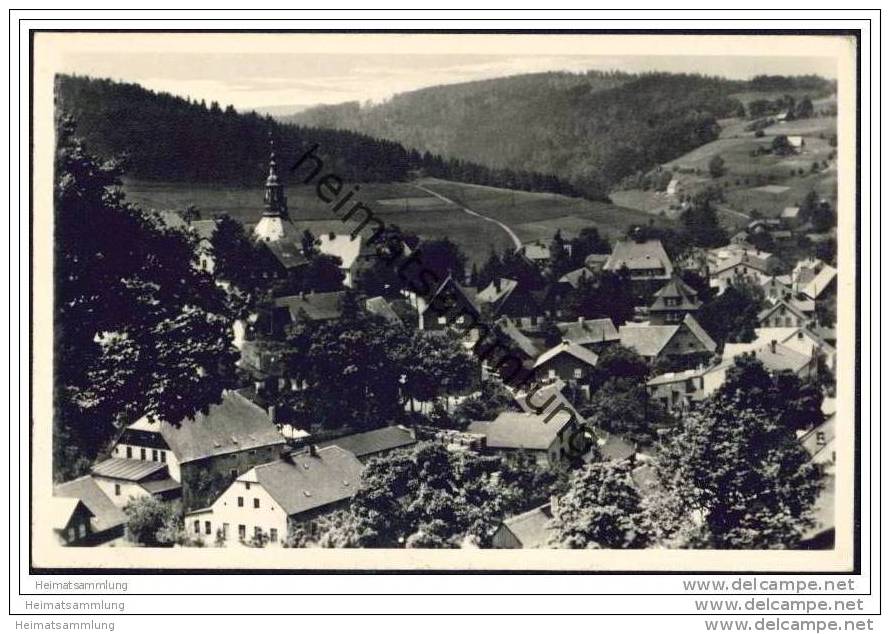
x=533 y=216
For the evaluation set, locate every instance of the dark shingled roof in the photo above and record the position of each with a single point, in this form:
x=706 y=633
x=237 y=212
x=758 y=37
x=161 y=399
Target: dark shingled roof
x=573 y=278
x=451 y=289
x=519 y=339
x=304 y=482
x=675 y=289
x=648 y=340
x=160 y=486
x=589 y=331
x=637 y=256
x=519 y=430
x=288 y=254
x=124 y=469
x=316 y=306
x=233 y=425
x=382 y=308
x=105 y=514
x=532 y=528
x=374 y=441
x=789 y=306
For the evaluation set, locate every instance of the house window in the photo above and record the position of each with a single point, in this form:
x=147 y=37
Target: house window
x=154 y=455
x=206 y=528
x=82 y=531
x=116 y=450
x=129 y=452
x=233 y=473
x=117 y=489
x=551 y=374
x=256 y=503
x=442 y=321
x=142 y=453
x=247 y=486
x=197 y=526
x=163 y=456
x=273 y=535
x=460 y=319
x=71 y=535
x=820 y=437
x=240 y=501
x=242 y=531
x=577 y=373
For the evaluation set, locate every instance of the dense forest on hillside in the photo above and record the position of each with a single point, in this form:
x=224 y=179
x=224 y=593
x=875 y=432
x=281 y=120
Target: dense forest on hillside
x=168 y=138
x=591 y=129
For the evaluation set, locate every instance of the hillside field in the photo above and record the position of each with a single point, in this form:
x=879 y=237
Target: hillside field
x=533 y=216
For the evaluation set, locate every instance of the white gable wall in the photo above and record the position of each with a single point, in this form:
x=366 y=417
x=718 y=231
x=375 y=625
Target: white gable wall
x=225 y=516
x=120 y=451
x=128 y=490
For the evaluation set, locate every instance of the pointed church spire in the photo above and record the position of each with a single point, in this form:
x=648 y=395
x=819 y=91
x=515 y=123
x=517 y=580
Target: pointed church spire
x=276 y=201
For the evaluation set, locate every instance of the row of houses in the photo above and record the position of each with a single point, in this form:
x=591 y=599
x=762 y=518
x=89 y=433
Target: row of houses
x=204 y=462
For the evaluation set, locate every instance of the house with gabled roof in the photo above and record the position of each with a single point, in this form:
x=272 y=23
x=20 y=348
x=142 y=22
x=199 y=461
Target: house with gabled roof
x=310 y=306
x=450 y=306
x=346 y=247
x=532 y=529
x=655 y=343
x=645 y=260
x=739 y=269
x=677 y=391
x=207 y=451
x=820 y=284
x=536 y=252
x=673 y=301
x=593 y=334
x=569 y=362
x=70 y=520
x=383 y=308
x=774 y=356
x=506 y=297
x=511 y=336
x=574 y=278
x=777 y=287
x=596 y=261
x=377 y=442
x=124 y=479
x=800 y=339
x=101 y=522
x=261 y=503
x=201 y=230
x=549 y=437
x=783 y=313
x=790 y=216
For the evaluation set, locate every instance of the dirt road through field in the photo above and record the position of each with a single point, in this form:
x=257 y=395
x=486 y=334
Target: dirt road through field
x=465 y=209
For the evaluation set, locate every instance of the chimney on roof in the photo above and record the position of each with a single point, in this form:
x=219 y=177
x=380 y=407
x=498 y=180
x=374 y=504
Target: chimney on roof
x=497 y=284
x=772 y=346
x=313 y=451
x=580 y=319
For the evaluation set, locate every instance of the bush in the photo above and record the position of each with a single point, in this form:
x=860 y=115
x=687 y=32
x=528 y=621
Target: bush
x=152 y=522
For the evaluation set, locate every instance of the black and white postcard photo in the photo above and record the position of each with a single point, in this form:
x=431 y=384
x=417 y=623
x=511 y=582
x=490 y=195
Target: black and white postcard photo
x=429 y=301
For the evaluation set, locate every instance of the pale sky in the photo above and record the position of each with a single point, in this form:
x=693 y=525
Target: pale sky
x=259 y=80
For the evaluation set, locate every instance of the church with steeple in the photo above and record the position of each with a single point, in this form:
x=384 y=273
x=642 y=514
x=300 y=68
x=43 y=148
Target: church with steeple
x=275 y=229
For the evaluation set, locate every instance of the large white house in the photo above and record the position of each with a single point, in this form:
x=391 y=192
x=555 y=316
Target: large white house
x=258 y=504
x=230 y=438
